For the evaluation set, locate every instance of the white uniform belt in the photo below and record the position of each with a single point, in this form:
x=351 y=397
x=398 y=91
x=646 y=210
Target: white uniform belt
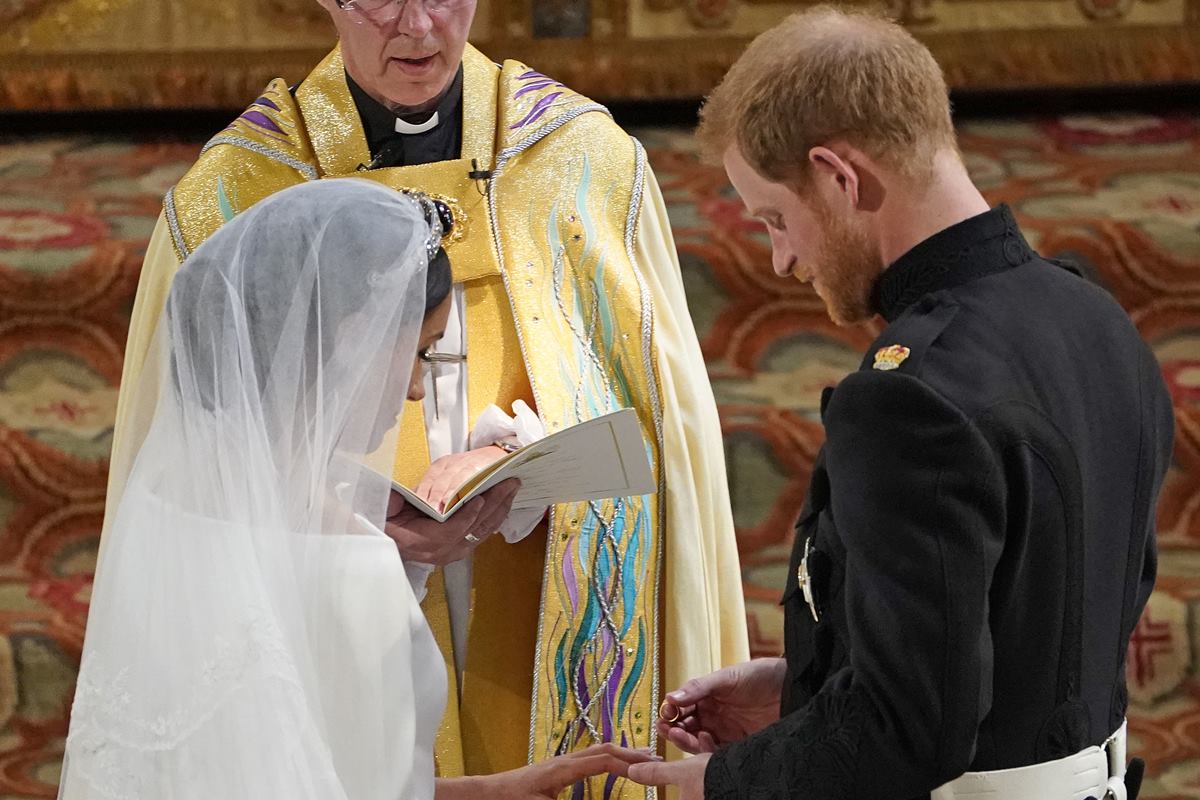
x=1097 y=772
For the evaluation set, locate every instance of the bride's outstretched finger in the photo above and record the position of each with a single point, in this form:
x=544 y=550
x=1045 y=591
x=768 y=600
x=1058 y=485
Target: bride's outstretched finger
x=598 y=760
x=546 y=780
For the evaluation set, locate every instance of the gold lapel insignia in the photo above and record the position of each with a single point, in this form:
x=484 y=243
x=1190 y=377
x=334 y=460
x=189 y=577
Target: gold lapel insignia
x=891 y=356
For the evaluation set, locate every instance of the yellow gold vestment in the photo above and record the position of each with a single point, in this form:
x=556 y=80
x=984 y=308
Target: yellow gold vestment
x=573 y=291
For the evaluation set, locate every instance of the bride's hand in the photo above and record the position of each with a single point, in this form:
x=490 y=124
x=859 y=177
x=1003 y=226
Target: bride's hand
x=546 y=779
x=428 y=541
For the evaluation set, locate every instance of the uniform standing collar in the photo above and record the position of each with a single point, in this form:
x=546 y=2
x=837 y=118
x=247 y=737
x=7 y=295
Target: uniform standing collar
x=974 y=248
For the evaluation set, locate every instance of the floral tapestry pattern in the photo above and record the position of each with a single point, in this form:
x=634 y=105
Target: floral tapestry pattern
x=1118 y=194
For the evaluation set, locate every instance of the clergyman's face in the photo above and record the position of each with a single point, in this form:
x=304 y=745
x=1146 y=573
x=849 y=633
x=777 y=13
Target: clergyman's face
x=810 y=242
x=407 y=61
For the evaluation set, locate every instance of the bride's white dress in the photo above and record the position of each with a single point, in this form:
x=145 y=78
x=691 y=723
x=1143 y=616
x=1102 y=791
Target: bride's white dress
x=244 y=719
x=253 y=634
x=376 y=620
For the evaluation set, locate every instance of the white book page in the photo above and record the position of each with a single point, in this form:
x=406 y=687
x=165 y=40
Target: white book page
x=602 y=458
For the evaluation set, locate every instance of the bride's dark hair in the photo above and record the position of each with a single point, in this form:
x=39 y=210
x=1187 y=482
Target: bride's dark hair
x=438 y=280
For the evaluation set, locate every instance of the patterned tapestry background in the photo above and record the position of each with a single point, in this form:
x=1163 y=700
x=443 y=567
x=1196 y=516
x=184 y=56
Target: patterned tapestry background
x=1119 y=194
x=72 y=54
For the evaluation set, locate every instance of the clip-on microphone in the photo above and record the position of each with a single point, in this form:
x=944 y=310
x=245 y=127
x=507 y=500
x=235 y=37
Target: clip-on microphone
x=480 y=175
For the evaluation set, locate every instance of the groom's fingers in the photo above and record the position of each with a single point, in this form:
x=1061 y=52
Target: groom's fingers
x=687 y=742
x=674 y=712
x=696 y=690
x=688 y=719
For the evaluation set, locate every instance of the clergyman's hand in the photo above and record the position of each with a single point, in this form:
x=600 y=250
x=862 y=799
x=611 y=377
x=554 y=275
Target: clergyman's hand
x=445 y=475
x=723 y=706
x=428 y=541
x=546 y=779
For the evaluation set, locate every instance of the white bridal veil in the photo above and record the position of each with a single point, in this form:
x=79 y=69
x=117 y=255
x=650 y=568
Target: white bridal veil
x=252 y=634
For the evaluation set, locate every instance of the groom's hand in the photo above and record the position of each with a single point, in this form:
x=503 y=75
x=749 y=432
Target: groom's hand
x=428 y=541
x=723 y=706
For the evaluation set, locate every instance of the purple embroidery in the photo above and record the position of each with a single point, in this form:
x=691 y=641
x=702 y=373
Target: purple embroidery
x=535 y=81
x=266 y=101
x=609 y=783
x=537 y=111
x=610 y=696
x=572 y=585
x=261 y=120
x=533 y=87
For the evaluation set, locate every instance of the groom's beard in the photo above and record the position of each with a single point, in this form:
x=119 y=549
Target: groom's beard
x=846 y=266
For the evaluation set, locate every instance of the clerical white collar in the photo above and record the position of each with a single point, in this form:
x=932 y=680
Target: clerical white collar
x=409 y=128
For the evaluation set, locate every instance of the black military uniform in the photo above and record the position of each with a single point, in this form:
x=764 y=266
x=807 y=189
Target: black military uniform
x=978 y=530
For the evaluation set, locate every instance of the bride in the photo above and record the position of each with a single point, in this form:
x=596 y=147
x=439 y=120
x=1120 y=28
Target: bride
x=252 y=633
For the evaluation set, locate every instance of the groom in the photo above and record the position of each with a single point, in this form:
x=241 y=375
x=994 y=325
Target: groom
x=978 y=538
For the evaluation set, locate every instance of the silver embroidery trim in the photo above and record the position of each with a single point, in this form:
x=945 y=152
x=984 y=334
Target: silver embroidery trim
x=508 y=153
x=631 y=227
x=173 y=224
x=584 y=338
x=307 y=170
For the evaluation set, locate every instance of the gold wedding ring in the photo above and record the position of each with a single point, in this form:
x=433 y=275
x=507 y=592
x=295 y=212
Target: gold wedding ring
x=662 y=712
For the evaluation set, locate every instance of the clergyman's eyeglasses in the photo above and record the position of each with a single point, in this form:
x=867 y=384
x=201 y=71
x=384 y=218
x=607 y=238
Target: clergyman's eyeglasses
x=383 y=11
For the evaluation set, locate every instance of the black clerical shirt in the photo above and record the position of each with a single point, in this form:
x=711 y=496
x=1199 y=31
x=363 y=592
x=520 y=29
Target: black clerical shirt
x=980 y=524
x=388 y=148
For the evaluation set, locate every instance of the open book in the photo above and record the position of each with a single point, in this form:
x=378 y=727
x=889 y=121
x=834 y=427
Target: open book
x=594 y=460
